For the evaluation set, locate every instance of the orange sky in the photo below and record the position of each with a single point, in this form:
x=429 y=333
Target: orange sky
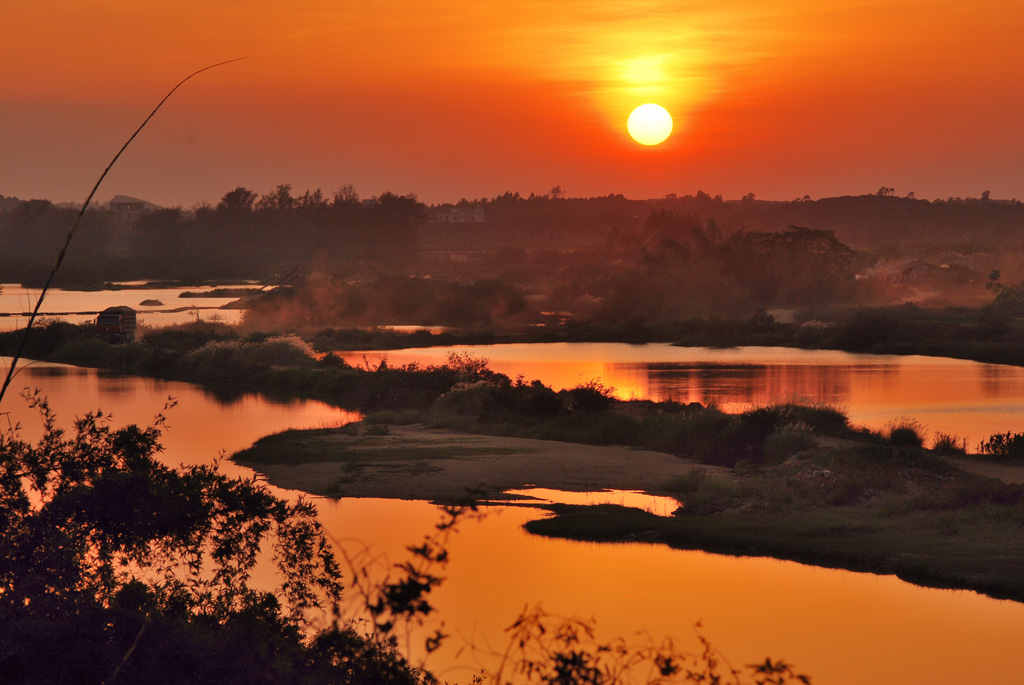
x=451 y=100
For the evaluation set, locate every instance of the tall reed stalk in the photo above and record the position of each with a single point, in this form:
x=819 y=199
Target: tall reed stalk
x=78 y=220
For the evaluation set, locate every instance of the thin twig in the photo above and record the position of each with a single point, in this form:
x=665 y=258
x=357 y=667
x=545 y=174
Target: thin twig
x=128 y=654
x=78 y=219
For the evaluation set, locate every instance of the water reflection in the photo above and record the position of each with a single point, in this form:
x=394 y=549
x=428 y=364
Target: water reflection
x=843 y=628
x=659 y=506
x=77 y=306
x=955 y=396
x=199 y=428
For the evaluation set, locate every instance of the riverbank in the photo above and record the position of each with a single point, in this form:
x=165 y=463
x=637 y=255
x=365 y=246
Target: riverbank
x=881 y=504
x=419 y=463
x=839 y=503
x=984 y=335
x=934 y=527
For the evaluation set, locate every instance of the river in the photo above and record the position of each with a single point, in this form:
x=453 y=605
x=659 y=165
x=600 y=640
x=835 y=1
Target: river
x=79 y=306
x=839 y=626
x=954 y=396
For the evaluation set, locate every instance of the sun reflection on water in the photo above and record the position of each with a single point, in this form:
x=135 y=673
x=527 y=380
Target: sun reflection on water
x=652 y=504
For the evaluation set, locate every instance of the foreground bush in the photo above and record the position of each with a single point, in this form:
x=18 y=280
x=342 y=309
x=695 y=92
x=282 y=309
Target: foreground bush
x=114 y=566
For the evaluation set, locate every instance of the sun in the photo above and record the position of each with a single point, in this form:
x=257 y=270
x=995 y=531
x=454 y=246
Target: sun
x=649 y=124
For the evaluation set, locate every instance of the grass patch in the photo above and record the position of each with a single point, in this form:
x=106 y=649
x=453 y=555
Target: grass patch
x=604 y=428
x=817 y=417
x=868 y=507
x=786 y=441
x=370 y=447
x=688 y=482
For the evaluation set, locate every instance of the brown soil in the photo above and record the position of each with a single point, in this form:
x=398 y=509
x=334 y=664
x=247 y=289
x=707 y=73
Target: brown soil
x=495 y=464
x=1008 y=473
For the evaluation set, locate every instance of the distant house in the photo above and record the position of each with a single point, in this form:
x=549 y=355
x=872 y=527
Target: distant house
x=129 y=209
x=896 y=272
x=918 y=269
x=461 y=215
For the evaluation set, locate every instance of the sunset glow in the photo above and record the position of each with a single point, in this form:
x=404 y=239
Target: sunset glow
x=450 y=101
x=691 y=333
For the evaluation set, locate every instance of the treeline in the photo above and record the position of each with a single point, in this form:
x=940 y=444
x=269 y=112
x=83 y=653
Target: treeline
x=866 y=220
x=861 y=220
x=675 y=268
x=870 y=220
x=32 y=233
x=244 y=235
x=247 y=234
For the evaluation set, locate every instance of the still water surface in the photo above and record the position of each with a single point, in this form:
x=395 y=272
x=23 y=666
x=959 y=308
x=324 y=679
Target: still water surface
x=841 y=627
x=954 y=396
x=78 y=306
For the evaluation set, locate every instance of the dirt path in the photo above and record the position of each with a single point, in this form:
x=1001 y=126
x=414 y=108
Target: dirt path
x=413 y=462
x=1008 y=473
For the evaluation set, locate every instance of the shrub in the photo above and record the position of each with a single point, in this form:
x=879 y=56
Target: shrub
x=787 y=441
x=85 y=352
x=592 y=396
x=905 y=432
x=221 y=362
x=819 y=417
x=472 y=400
x=332 y=361
x=535 y=400
x=189 y=336
x=685 y=433
x=288 y=350
x=746 y=437
x=468 y=367
x=588 y=429
x=1003 y=446
x=48 y=335
x=947 y=443
x=713 y=437
x=229 y=361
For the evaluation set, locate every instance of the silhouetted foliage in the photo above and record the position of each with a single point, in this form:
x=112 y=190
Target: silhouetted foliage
x=1007 y=445
x=566 y=651
x=113 y=565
